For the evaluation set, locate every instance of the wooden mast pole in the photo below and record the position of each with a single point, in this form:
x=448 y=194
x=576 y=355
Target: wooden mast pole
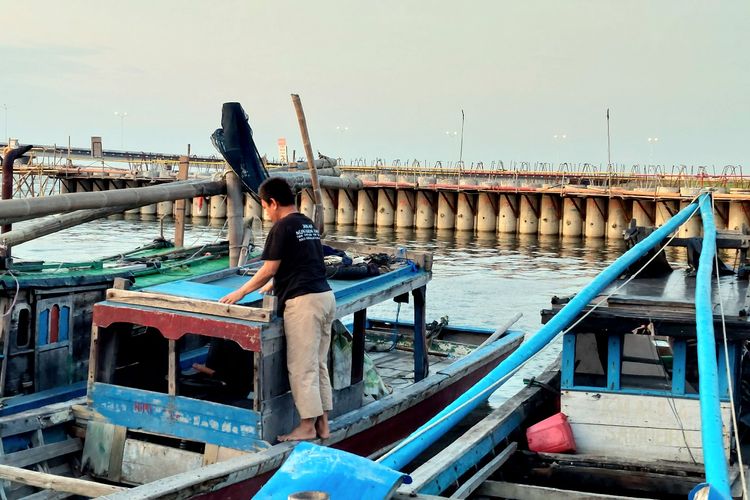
x=179 y=205
x=317 y=195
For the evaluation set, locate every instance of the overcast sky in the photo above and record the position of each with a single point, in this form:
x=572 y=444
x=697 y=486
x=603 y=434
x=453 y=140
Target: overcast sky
x=388 y=78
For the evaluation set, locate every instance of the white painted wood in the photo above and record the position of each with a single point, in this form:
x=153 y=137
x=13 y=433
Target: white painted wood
x=640 y=427
x=146 y=462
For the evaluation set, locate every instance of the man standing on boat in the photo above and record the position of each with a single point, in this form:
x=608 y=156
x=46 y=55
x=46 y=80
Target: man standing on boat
x=293 y=257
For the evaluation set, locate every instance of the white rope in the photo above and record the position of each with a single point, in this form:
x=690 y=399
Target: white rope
x=735 y=427
x=499 y=382
x=15 y=296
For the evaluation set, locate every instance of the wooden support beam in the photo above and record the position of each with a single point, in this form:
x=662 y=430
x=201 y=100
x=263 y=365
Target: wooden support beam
x=172 y=369
x=38 y=454
x=421 y=359
x=190 y=305
x=501 y=489
x=179 y=205
x=475 y=481
x=358 y=345
x=57 y=483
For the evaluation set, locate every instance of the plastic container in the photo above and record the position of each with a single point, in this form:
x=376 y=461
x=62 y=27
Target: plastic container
x=551 y=435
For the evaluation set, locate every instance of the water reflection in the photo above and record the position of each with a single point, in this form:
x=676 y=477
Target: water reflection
x=478 y=279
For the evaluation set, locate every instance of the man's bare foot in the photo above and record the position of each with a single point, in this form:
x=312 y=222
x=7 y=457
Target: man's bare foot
x=305 y=431
x=321 y=426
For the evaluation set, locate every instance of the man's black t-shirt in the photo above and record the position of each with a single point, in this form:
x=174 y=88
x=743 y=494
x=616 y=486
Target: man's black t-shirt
x=296 y=243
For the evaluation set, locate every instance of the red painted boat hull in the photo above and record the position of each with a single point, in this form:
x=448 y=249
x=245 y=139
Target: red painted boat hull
x=379 y=435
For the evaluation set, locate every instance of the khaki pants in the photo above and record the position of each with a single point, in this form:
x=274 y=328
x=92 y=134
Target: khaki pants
x=307 y=326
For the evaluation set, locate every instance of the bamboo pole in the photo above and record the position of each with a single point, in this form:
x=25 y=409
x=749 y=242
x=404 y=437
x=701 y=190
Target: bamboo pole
x=317 y=195
x=28 y=208
x=179 y=205
x=52 y=225
x=235 y=209
x=57 y=483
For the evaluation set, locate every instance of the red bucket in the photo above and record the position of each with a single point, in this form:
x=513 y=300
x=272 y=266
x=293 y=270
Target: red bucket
x=551 y=435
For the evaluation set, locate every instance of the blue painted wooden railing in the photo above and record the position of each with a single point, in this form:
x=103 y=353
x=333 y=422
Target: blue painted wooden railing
x=423 y=437
x=717 y=474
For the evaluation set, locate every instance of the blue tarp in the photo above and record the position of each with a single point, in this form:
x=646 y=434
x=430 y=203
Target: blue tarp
x=349 y=476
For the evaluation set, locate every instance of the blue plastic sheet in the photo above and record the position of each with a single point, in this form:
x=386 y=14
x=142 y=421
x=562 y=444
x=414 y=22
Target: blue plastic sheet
x=341 y=474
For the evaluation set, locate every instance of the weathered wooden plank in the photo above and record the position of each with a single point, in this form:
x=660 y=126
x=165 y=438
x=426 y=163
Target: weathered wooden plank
x=172 y=368
x=38 y=454
x=144 y=462
x=617 y=480
x=622 y=424
x=190 y=305
x=500 y=489
x=48 y=495
x=363 y=301
x=652 y=411
x=38 y=418
x=57 y=483
x=658 y=466
x=210 y=454
x=117 y=447
x=475 y=481
x=186 y=418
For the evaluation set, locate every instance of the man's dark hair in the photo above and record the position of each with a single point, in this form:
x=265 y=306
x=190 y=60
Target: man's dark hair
x=278 y=189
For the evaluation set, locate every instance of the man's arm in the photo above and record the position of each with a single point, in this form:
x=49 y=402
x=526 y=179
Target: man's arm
x=266 y=272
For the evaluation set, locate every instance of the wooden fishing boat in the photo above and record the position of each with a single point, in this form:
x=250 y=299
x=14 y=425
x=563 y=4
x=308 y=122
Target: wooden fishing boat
x=149 y=420
x=628 y=385
x=48 y=306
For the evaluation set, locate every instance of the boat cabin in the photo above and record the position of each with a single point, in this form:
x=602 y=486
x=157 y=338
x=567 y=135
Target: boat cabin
x=155 y=416
x=629 y=376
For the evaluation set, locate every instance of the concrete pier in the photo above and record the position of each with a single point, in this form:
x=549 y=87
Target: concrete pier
x=617 y=218
x=425 y=212
x=446 y=216
x=329 y=206
x=405 y=203
x=549 y=216
x=200 y=207
x=218 y=207
x=307 y=203
x=573 y=217
x=665 y=209
x=596 y=218
x=345 y=215
x=253 y=207
x=386 y=213
x=366 y=202
x=487 y=212
x=466 y=201
x=507 y=217
x=528 y=214
x=643 y=212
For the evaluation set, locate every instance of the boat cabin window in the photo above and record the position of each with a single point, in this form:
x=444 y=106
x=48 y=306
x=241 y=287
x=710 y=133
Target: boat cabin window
x=23 y=336
x=646 y=362
x=210 y=369
x=591 y=360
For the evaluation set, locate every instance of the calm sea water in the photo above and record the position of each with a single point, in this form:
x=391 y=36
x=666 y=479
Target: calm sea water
x=478 y=280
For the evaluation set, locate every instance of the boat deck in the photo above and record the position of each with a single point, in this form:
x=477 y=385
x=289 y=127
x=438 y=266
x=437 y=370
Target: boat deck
x=396 y=367
x=668 y=303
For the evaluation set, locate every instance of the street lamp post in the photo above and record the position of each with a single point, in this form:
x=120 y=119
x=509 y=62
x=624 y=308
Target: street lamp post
x=122 y=115
x=651 y=142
